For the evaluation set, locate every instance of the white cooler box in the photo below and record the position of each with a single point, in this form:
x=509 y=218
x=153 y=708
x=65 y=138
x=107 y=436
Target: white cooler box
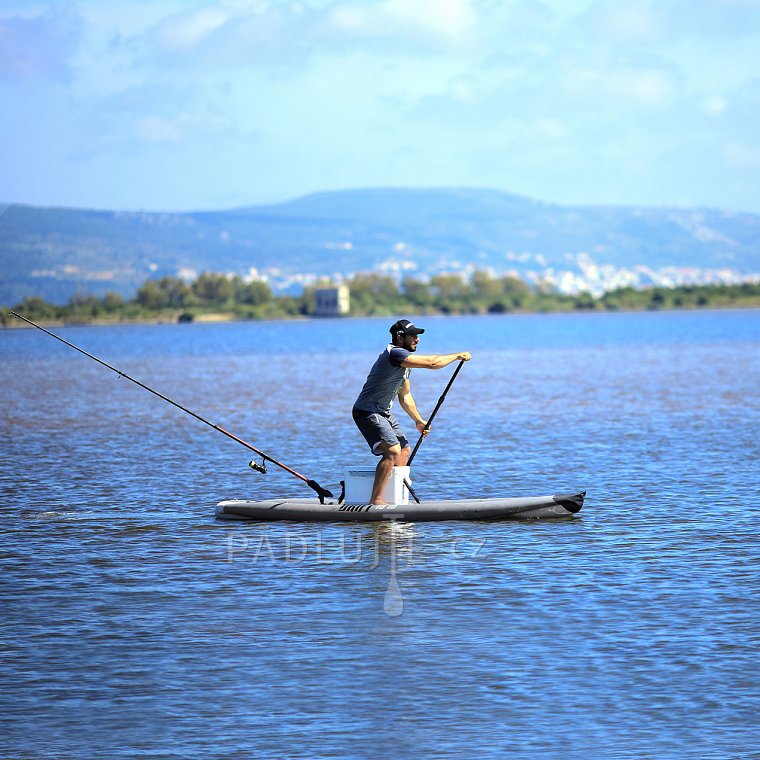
x=359 y=482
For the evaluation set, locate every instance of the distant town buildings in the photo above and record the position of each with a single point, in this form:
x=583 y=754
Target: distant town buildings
x=332 y=302
x=573 y=274
x=598 y=279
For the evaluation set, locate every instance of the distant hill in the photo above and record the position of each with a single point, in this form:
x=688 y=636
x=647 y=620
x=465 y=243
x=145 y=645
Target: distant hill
x=55 y=252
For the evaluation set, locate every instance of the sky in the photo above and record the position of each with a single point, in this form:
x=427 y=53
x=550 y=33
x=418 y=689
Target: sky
x=193 y=105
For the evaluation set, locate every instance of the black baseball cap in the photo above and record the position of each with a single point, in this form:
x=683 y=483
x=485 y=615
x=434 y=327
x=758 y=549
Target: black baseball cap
x=405 y=326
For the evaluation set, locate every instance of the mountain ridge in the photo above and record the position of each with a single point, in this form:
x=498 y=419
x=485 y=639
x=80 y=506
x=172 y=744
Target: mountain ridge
x=54 y=252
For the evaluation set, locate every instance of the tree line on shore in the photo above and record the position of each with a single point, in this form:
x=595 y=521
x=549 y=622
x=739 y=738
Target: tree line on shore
x=372 y=294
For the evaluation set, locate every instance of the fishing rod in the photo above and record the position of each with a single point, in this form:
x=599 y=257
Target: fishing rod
x=435 y=411
x=321 y=492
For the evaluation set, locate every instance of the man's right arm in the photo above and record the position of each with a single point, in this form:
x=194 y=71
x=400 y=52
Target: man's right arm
x=434 y=361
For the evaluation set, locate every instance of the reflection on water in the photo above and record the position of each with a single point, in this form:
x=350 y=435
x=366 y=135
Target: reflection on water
x=368 y=546
x=135 y=625
x=390 y=535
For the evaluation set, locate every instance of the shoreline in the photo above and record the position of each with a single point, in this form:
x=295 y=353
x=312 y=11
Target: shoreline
x=12 y=323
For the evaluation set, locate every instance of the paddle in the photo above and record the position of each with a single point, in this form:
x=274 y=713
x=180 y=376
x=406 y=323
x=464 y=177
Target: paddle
x=435 y=411
x=427 y=425
x=321 y=492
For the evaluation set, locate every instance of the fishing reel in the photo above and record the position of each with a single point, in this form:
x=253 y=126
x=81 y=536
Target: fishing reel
x=262 y=468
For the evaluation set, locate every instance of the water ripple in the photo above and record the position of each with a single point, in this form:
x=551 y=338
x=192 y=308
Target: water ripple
x=135 y=625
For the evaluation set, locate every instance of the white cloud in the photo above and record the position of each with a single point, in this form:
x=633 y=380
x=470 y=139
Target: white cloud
x=450 y=19
x=742 y=157
x=714 y=105
x=560 y=99
x=289 y=35
x=724 y=20
x=647 y=87
x=186 y=30
x=156 y=129
x=551 y=128
x=635 y=86
x=39 y=46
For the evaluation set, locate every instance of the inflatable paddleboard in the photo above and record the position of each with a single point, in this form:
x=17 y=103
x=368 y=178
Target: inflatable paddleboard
x=304 y=509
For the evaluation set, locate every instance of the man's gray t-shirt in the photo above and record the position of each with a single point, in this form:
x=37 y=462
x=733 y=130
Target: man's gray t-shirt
x=384 y=381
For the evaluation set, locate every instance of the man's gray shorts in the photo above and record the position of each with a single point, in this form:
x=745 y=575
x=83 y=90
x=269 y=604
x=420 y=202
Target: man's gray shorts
x=379 y=428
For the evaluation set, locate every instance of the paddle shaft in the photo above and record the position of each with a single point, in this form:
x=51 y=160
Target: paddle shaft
x=435 y=411
x=313 y=484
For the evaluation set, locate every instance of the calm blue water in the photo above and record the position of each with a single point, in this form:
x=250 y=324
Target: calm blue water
x=135 y=625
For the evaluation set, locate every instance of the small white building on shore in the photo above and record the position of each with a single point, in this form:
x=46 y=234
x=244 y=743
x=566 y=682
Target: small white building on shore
x=332 y=302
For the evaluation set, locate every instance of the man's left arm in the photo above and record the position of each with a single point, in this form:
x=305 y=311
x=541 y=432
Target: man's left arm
x=410 y=407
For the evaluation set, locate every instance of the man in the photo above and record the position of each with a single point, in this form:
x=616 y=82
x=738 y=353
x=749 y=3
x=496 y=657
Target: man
x=388 y=378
